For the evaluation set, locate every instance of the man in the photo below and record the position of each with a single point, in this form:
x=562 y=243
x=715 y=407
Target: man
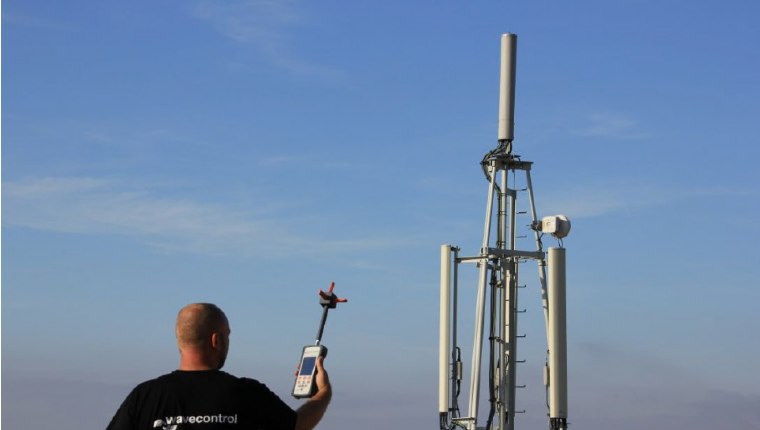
x=200 y=396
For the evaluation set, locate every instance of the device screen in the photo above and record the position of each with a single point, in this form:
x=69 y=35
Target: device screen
x=308 y=365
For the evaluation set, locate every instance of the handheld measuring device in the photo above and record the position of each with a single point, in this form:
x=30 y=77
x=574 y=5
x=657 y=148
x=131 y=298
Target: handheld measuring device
x=306 y=385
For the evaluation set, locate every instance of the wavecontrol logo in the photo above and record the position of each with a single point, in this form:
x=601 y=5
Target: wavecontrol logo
x=171 y=423
x=163 y=426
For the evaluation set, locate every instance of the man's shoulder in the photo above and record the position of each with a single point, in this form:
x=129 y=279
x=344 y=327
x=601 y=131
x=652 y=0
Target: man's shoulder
x=162 y=378
x=179 y=380
x=155 y=382
x=179 y=376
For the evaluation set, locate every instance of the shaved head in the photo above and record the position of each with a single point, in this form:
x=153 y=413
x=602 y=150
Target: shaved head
x=196 y=323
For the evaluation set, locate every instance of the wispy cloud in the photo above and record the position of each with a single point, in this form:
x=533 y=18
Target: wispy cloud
x=636 y=389
x=260 y=22
x=610 y=125
x=94 y=206
x=278 y=161
x=21 y=19
x=267 y=26
x=591 y=200
x=585 y=202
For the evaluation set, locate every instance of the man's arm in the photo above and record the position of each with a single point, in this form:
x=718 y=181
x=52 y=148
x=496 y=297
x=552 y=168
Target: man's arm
x=311 y=412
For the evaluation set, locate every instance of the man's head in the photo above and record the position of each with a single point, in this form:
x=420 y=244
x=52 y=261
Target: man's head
x=202 y=336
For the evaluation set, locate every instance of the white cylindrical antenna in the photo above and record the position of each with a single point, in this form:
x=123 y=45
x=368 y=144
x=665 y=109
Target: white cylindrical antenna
x=507 y=87
x=445 y=333
x=557 y=336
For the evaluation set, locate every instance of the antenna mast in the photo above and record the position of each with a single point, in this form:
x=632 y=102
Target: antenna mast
x=498 y=265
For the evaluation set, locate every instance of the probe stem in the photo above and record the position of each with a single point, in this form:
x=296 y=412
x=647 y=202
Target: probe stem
x=322 y=325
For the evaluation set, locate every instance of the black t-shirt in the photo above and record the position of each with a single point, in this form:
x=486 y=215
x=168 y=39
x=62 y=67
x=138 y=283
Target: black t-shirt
x=202 y=400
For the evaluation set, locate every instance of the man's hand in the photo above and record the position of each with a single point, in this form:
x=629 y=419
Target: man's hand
x=323 y=380
x=311 y=412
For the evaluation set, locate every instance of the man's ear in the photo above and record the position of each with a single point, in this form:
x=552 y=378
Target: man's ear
x=215 y=340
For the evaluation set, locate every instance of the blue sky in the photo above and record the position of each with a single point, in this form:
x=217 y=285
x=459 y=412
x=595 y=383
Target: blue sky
x=247 y=153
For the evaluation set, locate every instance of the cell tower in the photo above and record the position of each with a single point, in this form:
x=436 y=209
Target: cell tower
x=498 y=265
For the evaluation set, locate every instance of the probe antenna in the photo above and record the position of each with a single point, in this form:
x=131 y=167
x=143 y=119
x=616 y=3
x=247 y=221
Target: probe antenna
x=328 y=300
x=305 y=384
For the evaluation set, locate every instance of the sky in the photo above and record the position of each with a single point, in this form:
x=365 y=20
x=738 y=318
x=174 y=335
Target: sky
x=248 y=153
